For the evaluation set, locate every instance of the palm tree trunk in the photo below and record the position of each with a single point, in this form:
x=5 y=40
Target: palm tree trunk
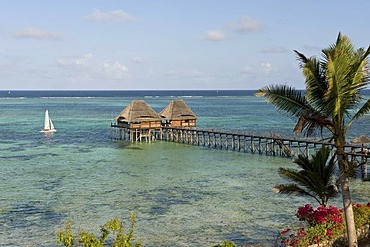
x=346 y=197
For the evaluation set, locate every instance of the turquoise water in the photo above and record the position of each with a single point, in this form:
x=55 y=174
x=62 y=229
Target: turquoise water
x=182 y=195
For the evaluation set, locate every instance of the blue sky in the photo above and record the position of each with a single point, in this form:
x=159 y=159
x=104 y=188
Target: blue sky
x=168 y=44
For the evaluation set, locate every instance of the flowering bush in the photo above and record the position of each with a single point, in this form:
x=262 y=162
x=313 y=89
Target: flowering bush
x=324 y=224
x=362 y=214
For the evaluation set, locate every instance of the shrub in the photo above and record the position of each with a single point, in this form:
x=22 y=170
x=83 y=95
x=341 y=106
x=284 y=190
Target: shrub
x=226 y=244
x=322 y=224
x=362 y=214
x=114 y=227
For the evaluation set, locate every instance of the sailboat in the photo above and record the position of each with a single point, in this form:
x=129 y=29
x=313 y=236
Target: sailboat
x=48 y=124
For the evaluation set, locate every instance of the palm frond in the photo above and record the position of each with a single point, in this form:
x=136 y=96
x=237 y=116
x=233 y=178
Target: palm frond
x=337 y=86
x=293 y=103
x=289 y=189
x=346 y=78
x=286 y=99
x=361 y=81
x=316 y=86
x=315 y=178
x=311 y=121
x=319 y=161
x=360 y=76
x=329 y=170
x=300 y=178
x=358 y=79
x=360 y=113
x=303 y=162
x=293 y=189
x=301 y=58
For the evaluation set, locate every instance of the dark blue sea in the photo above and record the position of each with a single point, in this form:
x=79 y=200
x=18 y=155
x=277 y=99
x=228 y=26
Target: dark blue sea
x=128 y=93
x=182 y=195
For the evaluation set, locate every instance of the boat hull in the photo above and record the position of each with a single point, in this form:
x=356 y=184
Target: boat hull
x=48 y=131
x=48 y=124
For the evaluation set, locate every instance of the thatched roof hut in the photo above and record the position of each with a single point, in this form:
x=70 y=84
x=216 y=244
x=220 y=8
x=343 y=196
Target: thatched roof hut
x=177 y=113
x=138 y=114
x=361 y=139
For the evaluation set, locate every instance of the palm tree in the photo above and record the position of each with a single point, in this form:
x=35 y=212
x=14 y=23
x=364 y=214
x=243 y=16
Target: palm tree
x=315 y=179
x=333 y=100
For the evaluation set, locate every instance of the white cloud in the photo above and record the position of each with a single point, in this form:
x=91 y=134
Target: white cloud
x=84 y=60
x=266 y=68
x=136 y=59
x=275 y=50
x=187 y=73
x=89 y=68
x=114 y=68
x=35 y=33
x=112 y=16
x=312 y=48
x=248 y=70
x=246 y=25
x=214 y=35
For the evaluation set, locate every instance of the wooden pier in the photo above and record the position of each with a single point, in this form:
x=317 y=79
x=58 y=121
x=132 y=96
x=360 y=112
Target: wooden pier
x=270 y=145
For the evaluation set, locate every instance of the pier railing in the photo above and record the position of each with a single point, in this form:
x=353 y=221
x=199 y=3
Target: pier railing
x=270 y=145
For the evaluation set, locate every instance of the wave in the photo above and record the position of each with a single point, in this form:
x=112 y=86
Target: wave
x=13 y=98
x=70 y=97
x=127 y=93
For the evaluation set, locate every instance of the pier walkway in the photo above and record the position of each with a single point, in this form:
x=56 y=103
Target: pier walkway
x=270 y=145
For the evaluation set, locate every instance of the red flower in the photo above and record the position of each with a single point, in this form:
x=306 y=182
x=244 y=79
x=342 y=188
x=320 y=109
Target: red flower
x=304 y=212
x=294 y=242
x=301 y=233
x=328 y=220
x=333 y=210
x=285 y=231
x=319 y=215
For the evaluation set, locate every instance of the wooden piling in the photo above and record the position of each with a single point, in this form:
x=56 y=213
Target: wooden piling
x=249 y=143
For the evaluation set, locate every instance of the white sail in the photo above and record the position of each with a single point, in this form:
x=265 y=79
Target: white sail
x=48 y=124
x=47 y=121
x=51 y=125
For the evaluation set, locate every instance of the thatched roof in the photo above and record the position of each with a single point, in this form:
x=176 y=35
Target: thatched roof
x=138 y=111
x=361 y=139
x=177 y=110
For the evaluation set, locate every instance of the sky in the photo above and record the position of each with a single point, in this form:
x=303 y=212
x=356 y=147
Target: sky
x=169 y=44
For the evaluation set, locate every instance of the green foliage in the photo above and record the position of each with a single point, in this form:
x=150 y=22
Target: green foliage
x=334 y=86
x=315 y=177
x=66 y=237
x=226 y=244
x=333 y=101
x=324 y=224
x=113 y=227
x=362 y=214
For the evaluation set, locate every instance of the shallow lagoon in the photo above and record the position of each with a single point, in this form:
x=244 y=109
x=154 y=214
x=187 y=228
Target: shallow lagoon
x=182 y=195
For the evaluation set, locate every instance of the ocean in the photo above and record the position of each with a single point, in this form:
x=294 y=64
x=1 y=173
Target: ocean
x=182 y=195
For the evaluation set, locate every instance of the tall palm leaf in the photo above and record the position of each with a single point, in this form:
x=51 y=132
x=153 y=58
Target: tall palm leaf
x=333 y=101
x=314 y=179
